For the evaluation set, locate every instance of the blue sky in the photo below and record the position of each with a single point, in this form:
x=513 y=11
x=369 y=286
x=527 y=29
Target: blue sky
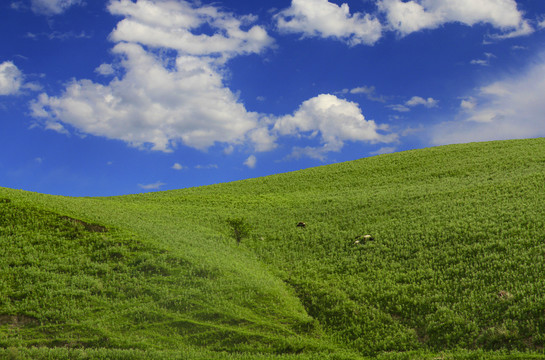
x=101 y=98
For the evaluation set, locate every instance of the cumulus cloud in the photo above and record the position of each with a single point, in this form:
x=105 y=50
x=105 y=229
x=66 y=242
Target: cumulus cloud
x=406 y=17
x=251 y=161
x=177 y=166
x=509 y=108
x=162 y=100
x=52 y=7
x=11 y=78
x=105 y=69
x=175 y=24
x=333 y=121
x=324 y=19
x=166 y=98
x=153 y=105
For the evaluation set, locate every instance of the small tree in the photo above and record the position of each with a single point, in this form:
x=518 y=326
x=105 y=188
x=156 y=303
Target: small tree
x=240 y=228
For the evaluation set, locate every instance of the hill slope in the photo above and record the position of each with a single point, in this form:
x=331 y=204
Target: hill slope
x=457 y=262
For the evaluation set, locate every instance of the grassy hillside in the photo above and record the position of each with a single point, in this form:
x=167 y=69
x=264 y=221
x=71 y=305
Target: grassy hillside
x=456 y=268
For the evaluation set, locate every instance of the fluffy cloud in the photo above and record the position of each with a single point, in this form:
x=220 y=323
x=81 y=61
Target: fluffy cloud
x=251 y=161
x=52 y=7
x=11 y=78
x=177 y=166
x=105 y=69
x=510 y=108
x=153 y=105
x=406 y=17
x=334 y=121
x=325 y=19
x=175 y=24
x=162 y=100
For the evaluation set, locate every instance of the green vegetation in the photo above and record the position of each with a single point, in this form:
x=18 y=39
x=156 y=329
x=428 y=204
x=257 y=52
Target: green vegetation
x=240 y=228
x=456 y=269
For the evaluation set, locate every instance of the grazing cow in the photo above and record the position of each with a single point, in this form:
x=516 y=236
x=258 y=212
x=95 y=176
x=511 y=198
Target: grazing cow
x=301 y=224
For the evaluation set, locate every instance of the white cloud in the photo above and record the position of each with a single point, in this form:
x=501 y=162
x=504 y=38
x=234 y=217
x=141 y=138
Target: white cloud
x=417 y=100
x=177 y=166
x=105 y=69
x=468 y=104
x=324 y=19
x=11 y=78
x=333 y=121
x=17 y=5
x=483 y=62
x=369 y=91
x=479 y=62
x=414 y=101
x=250 y=161
x=161 y=101
x=154 y=186
x=406 y=17
x=541 y=24
x=171 y=24
x=205 y=167
x=506 y=109
x=52 y=7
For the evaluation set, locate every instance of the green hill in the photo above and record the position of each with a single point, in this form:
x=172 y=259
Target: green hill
x=455 y=268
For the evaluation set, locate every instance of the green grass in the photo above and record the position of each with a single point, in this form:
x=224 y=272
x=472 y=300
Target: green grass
x=456 y=269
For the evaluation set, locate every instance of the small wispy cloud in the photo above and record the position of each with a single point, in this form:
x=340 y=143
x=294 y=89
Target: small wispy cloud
x=177 y=166
x=384 y=150
x=368 y=91
x=414 y=101
x=52 y=7
x=518 y=47
x=479 y=62
x=209 y=166
x=399 y=108
x=483 y=62
x=417 y=100
x=154 y=186
x=58 y=35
